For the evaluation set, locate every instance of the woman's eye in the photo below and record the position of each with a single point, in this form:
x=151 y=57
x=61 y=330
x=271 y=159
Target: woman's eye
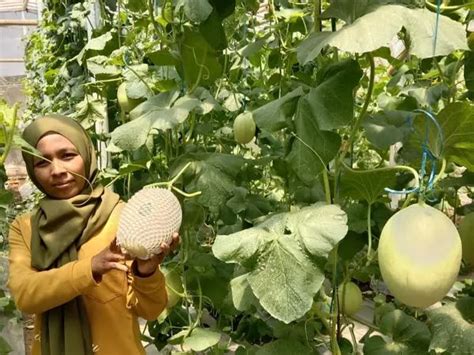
x=69 y=156
x=41 y=163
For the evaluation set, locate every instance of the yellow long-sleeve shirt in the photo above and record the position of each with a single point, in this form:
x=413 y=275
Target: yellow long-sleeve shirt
x=113 y=305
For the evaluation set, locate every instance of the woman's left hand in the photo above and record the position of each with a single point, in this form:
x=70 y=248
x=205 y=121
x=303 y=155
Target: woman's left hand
x=148 y=267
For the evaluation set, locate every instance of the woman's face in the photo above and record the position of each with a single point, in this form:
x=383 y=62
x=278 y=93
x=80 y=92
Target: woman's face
x=59 y=176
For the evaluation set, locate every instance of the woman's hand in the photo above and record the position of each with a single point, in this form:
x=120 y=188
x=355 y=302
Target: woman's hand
x=148 y=267
x=108 y=259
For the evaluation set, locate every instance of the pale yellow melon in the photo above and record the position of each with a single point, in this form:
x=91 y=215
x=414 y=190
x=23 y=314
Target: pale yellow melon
x=419 y=255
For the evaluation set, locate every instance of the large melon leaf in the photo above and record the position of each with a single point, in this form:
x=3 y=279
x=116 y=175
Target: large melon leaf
x=285 y=257
x=408 y=336
x=368 y=34
x=213 y=174
x=453 y=327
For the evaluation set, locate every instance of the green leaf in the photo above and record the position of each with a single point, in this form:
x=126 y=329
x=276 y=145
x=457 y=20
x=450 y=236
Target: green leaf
x=163 y=58
x=153 y=114
x=90 y=110
x=200 y=62
x=242 y=295
x=197 y=10
x=457 y=127
x=453 y=327
x=213 y=174
x=409 y=336
x=5 y=348
x=138 y=81
x=99 y=67
x=274 y=115
x=284 y=347
x=386 y=128
x=223 y=8
x=6 y=197
x=312 y=147
x=213 y=31
x=357 y=216
x=377 y=28
x=332 y=102
x=137 y=5
x=469 y=73
x=95 y=44
x=284 y=256
x=349 y=10
x=456 y=120
x=248 y=205
x=201 y=339
x=366 y=185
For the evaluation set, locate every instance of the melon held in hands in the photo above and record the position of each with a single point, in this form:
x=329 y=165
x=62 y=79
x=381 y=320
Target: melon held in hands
x=419 y=255
x=149 y=218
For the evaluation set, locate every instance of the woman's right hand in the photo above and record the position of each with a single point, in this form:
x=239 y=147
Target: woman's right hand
x=108 y=259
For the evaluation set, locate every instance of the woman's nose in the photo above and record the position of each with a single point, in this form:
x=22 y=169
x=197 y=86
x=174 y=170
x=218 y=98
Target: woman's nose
x=57 y=168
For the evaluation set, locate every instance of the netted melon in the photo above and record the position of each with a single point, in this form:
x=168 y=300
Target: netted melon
x=148 y=219
x=419 y=255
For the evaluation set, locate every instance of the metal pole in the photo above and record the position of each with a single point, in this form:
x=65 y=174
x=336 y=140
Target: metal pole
x=12 y=22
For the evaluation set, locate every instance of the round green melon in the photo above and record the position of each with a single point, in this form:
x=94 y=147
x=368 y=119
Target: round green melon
x=244 y=128
x=466 y=231
x=419 y=255
x=350 y=298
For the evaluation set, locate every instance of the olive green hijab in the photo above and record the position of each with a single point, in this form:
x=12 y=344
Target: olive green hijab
x=60 y=227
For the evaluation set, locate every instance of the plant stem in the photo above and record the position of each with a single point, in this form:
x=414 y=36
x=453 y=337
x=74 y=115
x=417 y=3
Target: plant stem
x=355 y=127
x=327 y=187
x=317 y=16
x=335 y=307
x=152 y=17
x=323 y=319
x=368 y=98
x=369 y=232
x=386 y=168
x=119 y=23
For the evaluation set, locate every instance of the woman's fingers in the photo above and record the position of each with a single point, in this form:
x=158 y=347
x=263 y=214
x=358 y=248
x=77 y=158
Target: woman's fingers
x=118 y=266
x=165 y=249
x=175 y=241
x=114 y=257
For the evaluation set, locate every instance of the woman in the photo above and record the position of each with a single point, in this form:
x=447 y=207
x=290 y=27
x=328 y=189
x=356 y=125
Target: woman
x=64 y=264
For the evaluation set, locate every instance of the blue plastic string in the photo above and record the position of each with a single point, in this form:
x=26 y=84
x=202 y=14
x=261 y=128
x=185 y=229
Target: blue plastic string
x=426 y=156
x=435 y=37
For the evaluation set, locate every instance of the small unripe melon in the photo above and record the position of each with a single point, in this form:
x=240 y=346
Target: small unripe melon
x=149 y=218
x=466 y=231
x=419 y=255
x=244 y=128
x=350 y=298
x=126 y=103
